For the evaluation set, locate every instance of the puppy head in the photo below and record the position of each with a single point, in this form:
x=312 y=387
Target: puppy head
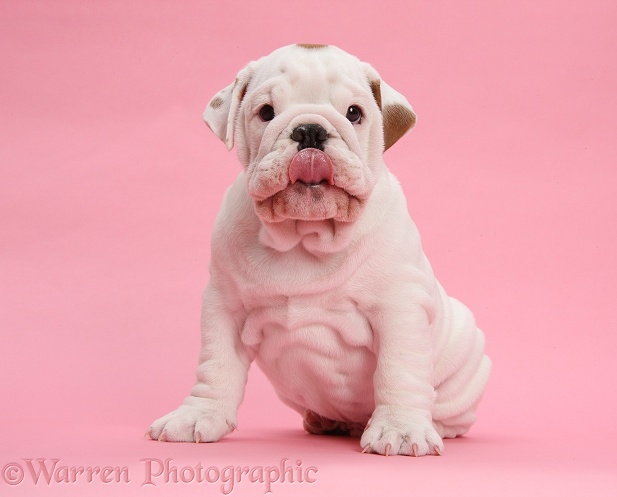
x=310 y=123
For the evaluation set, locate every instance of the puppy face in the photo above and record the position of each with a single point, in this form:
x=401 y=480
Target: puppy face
x=310 y=124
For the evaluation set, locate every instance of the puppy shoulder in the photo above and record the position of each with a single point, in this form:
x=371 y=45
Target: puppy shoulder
x=236 y=220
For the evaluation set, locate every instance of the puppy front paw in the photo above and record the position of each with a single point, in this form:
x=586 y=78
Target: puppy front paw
x=192 y=424
x=394 y=430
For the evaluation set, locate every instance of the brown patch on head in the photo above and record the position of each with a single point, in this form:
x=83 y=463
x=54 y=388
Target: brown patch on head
x=216 y=102
x=397 y=120
x=310 y=46
x=376 y=89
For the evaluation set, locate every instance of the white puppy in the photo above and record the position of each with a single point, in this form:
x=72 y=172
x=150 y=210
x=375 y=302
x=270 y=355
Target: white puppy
x=317 y=270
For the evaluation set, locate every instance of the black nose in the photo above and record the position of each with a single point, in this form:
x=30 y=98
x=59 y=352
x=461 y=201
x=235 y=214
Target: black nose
x=309 y=136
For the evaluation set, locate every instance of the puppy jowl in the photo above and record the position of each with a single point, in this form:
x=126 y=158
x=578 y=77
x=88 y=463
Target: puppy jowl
x=317 y=270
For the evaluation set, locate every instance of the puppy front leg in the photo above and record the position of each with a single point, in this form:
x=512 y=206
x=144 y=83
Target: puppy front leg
x=210 y=411
x=402 y=422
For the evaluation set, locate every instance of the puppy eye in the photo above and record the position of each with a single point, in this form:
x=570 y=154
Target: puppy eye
x=354 y=114
x=266 y=113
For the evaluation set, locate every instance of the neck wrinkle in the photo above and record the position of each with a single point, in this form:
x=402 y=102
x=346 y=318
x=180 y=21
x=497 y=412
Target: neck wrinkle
x=318 y=238
x=329 y=236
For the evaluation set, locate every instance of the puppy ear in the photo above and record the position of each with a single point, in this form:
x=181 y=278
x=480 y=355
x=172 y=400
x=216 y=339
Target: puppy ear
x=221 y=113
x=398 y=115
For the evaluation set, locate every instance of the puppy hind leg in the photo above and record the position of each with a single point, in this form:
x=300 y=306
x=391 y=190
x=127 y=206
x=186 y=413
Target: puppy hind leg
x=450 y=422
x=457 y=425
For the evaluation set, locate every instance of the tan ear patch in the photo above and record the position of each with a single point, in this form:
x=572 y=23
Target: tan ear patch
x=216 y=102
x=310 y=46
x=397 y=120
x=376 y=89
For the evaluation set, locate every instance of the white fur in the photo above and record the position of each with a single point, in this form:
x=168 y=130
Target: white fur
x=343 y=314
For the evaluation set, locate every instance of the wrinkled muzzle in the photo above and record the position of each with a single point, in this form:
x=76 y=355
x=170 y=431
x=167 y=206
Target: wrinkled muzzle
x=308 y=166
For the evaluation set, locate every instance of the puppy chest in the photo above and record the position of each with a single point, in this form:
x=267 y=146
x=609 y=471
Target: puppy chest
x=317 y=356
x=325 y=323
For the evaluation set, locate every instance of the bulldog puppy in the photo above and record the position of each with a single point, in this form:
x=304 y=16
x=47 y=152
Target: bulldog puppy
x=317 y=269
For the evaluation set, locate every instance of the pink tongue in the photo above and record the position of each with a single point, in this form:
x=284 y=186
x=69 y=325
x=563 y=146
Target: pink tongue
x=311 y=166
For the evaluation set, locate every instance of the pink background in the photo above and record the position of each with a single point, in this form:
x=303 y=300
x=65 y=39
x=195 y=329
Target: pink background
x=110 y=183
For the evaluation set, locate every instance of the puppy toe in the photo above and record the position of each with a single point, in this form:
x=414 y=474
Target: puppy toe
x=404 y=435
x=188 y=424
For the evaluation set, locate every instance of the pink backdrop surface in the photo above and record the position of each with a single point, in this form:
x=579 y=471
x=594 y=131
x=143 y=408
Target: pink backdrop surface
x=109 y=187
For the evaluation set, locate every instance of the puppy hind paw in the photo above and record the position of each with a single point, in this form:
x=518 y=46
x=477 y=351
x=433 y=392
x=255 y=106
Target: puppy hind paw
x=318 y=425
